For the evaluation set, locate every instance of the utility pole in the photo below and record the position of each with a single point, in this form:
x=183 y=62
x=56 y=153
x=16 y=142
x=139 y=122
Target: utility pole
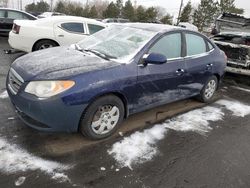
x=179 y=15
x=51 y=5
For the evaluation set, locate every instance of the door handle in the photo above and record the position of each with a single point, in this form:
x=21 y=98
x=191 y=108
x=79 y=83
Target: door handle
x=60 y=35
x=209 y=66
x=180 y=72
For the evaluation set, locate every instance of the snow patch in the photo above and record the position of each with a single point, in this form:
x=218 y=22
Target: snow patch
x=137 y=148
x=103 y=168
x=13 y=159
x=237 y=108
x=4 y=95
x=196 y=120
x=141 y=146
x=20 y=181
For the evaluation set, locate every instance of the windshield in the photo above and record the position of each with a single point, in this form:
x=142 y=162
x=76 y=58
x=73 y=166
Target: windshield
x=119 y=42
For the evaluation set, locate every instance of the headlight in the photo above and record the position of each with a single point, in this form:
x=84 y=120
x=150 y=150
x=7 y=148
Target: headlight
x=45 y=89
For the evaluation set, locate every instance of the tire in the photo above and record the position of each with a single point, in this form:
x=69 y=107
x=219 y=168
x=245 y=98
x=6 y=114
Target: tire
x=209 y=89
x=44 y=44
x=102 y=118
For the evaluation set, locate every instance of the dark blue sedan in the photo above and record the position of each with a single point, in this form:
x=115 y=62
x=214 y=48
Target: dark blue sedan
x=92 y=86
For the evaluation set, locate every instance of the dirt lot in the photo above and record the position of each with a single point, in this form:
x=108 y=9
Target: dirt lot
x=204 y=147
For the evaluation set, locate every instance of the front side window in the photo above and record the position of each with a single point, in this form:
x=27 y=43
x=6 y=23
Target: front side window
x=73 y=27
x=169 y=45
x=94 y=28
x=15 y=15
x=195 y=45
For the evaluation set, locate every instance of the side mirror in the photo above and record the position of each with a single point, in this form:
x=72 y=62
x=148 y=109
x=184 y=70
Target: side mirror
x=154 y=58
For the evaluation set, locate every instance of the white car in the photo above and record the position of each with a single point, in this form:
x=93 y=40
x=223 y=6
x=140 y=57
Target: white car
x=48 y=32
x=188 y=26
x=49 y=14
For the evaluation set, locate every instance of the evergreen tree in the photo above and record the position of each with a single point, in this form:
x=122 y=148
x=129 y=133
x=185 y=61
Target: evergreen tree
x=141 y=14
x=85 y=11
x=205 y=14
x=93 y=12
x=128 y=11
x=167 y=19
x=186 y=13
x=30 y=7
x=151 y=14
x=60 y=7
x=78 y=11
x=229 y=6
x=42 y=6
x=111 y=11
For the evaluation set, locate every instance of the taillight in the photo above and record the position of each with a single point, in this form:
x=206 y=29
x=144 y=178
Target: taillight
x=225 y=56
x=16 y=28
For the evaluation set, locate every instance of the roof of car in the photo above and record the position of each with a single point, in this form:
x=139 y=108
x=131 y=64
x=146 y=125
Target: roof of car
x=153 y=27
x=17 y=11
x=69 y=18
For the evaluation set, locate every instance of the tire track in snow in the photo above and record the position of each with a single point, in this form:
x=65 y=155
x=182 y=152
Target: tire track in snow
x=142 y=146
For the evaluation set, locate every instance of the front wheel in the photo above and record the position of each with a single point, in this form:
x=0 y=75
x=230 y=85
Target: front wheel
x=209 y=89
x=102 y=117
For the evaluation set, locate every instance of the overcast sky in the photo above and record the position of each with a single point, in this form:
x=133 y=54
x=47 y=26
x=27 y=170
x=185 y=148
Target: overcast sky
x=171 y=6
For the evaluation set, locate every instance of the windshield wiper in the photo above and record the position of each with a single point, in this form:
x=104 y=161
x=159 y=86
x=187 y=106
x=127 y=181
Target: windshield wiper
x=77 y=47
x=100 y=54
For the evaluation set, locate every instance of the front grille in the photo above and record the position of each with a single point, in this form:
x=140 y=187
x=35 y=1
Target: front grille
x=15 y=81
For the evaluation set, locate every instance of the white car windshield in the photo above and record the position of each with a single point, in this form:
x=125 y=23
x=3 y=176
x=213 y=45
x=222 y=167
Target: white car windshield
x=117 y=42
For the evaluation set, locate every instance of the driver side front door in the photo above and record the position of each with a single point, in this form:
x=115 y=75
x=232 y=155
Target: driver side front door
x=161 y=84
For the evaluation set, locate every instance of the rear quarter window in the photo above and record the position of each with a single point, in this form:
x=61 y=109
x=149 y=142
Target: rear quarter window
x=73 y=27
x=94 y=28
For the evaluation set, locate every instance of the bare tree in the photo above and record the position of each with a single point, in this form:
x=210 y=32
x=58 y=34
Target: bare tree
x=3 y=3
x=161 y=12
x=100 y=6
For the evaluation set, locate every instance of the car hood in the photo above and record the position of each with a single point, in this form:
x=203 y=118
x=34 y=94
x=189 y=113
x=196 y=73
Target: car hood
x=59 y=62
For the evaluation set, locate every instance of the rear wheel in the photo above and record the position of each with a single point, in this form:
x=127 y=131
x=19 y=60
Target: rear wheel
x=102 y=117
x=209 y=89
x=44 y=44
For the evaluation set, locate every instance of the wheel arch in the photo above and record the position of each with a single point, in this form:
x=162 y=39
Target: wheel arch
x=33 y=47
x=114 y=93
x=117 y=94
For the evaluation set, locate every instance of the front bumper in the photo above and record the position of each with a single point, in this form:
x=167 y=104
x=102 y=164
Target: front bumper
x=51 y=115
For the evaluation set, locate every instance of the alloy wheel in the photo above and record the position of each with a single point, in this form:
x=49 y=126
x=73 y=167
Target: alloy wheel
x=105 y=119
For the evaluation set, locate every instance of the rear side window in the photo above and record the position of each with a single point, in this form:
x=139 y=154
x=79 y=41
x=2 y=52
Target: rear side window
x=195 y=45
x=15 y=15
x=73 y=27
x=94 y=28
x=2 y=13
x=169 y=45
